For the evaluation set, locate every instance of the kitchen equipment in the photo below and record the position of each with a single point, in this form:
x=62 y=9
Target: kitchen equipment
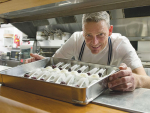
x=14 y=78
x=51 y=34
x=58 y=35
x=14 y=54
x=47 y=52
x=134 y=29
x=26 y=48
x=46 y=32
x=3 y=56
x=8 y=55
x=40 y=35
x=25 y=53
x=51 y=37
x=48 y=47
x=66 y=35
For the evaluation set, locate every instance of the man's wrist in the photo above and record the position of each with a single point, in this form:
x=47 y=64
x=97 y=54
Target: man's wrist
x=138 y=83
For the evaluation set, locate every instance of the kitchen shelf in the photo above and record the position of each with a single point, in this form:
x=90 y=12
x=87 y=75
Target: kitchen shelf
x=37 y=10
x=8 y=35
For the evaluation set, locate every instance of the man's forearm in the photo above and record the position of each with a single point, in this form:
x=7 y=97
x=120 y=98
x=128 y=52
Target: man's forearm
x=142 y=81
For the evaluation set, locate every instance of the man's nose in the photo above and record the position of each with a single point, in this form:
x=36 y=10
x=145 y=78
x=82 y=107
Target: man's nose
x=95 y=40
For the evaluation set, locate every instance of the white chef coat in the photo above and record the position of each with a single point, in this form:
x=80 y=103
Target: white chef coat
x=122 y=51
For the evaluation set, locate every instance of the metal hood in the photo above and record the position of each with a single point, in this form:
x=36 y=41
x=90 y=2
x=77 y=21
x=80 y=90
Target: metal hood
x=66 y=14
x=69 y=8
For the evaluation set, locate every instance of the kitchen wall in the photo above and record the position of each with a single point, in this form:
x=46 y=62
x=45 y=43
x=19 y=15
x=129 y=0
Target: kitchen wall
x=8 y=29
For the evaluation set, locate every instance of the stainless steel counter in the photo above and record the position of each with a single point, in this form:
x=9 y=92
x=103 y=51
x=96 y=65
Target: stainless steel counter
x=4 y=67
x=10 y=63
x=137 y=101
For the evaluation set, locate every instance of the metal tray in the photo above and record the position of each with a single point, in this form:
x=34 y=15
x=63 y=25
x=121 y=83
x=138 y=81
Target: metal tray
x=13 y=77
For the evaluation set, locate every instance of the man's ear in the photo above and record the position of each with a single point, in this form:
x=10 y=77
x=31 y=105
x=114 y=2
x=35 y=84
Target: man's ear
x=110 y=30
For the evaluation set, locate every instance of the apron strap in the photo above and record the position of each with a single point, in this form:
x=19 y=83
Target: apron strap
x=109 y=52
x=81 y=51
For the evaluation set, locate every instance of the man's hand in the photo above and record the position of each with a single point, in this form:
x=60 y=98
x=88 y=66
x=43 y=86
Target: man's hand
x=124 y=80
x=34 y=57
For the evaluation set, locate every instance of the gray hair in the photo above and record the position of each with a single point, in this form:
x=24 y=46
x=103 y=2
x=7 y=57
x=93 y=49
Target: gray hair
x=96 y=17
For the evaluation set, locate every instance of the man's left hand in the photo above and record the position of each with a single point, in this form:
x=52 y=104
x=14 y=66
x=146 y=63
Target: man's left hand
x=123 y=80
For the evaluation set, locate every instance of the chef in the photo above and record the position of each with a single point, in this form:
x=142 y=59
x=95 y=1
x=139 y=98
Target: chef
x=97 y=44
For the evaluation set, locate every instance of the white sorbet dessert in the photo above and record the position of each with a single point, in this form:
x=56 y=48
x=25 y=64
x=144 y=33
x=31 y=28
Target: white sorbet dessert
x=81 y=80
x=45 y=75
x=36 y=74
x=30 y=73
x=49 y=68
x=82 y=83
x=93 y=78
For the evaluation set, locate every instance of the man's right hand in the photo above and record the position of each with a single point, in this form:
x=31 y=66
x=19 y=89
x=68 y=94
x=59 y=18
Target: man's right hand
x=34 y=57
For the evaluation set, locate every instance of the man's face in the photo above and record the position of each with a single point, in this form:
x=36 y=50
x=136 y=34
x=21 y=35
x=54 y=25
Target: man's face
x=96 y=35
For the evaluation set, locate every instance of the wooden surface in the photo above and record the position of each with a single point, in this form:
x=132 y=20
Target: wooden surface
x=3 y=1
x=16 y=101
x=14 y=5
